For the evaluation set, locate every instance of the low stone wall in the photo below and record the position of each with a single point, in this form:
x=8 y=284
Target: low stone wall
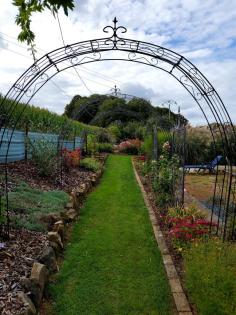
x=47 y=262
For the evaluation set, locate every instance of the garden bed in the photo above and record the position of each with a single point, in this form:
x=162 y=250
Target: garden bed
x=28 y=172
x=205 y=264
x=176 y=256
x=17 y=256
x=36 y=203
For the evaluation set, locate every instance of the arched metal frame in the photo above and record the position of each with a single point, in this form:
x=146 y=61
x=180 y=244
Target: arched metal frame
x=102 y=49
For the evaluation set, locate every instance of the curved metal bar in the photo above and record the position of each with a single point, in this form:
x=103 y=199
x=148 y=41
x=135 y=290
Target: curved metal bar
x=192 y=79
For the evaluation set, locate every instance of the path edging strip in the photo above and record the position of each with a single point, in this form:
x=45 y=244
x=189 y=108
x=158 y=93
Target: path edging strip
x=181 y=301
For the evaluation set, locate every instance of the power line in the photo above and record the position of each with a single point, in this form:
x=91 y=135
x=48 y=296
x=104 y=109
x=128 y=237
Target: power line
x=63 y=41
x=82 y=68
x=28 y=57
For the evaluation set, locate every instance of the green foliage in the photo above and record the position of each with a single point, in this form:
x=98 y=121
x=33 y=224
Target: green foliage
x=167 y=173
x=27 y=7
x=163 y=174
x=182 y=212
x=29 y=205
x=147 y=146
x=111 y=104
x=210 y=277
x=124 y=119
x=90 y=164
x=41 y=120
x=133 y=130
x=91 y=144
x=84 y=109
x=43 y=154
x=104 y=147
x=200 y=147
x=103 y=135
x=115 y=131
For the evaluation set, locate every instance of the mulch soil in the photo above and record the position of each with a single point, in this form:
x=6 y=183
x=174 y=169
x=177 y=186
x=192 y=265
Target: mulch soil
x=26 y=171
x=18 y=254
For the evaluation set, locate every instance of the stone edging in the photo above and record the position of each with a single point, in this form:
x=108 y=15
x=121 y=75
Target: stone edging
x=47 y=263
x=181 y=301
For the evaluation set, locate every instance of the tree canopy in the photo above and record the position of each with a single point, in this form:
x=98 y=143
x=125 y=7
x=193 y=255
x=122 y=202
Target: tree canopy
x=125 y=119
x=27 y=7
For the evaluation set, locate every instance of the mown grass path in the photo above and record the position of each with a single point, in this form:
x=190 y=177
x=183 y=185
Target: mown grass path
x=112 y=264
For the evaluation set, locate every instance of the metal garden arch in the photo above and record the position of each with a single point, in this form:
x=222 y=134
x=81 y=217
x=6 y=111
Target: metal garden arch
x=116 y=47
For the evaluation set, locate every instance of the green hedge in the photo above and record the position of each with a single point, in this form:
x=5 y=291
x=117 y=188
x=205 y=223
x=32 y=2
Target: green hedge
x=42 y=120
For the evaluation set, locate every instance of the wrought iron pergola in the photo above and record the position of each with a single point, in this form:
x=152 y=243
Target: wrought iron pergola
x=116 y=47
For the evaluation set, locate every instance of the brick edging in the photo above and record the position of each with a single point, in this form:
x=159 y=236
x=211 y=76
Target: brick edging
x=180 y=299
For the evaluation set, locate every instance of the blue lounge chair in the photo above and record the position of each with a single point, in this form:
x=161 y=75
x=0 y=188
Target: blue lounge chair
x=205 y=166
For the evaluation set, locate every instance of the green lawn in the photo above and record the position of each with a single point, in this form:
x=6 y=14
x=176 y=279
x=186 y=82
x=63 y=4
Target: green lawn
x=113 y=265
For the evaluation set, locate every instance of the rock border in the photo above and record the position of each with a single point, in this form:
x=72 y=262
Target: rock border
x=180 y=298
x=47 y=262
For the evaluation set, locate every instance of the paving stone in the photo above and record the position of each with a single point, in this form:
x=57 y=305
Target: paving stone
x=171 y=271
x=39 y=274
x=30 y=308
x=167 y=259
x=69 y=205
x=55 y=237
x=175 y=285
x=181 y=302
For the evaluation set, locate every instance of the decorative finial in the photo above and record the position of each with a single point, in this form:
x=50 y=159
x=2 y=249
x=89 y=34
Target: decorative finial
x=115 y=91
x=114 y=38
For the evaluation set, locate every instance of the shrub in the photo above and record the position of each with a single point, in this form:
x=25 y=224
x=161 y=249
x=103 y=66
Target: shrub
x=43 y=153
x=90 y=164
x=104 y=147
x=29 y=206
x=185 y=224
x=71 y=158
x=182 y=212
x=131 y=146
x=104 y=136
x=164 y=176
x=187 y=229
x=147 y=146
x=210 y=276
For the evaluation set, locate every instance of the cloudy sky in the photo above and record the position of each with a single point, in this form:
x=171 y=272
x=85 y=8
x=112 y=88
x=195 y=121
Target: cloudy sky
x=202 y=31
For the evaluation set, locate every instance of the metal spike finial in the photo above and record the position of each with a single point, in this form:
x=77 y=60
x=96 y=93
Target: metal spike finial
x=114 y=38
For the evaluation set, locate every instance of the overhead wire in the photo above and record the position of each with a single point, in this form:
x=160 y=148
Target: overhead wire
x=28 y=57
x=64 y=44
x=82 y=68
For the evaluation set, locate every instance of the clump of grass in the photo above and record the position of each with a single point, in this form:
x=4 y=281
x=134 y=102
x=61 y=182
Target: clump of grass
x=90 y=164
x=28 y=205
x=210 y=277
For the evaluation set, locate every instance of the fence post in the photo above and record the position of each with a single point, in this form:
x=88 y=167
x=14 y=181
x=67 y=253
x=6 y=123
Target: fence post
x=155 y=143
x=26 y=140
x=74 y=139
x=86 y=143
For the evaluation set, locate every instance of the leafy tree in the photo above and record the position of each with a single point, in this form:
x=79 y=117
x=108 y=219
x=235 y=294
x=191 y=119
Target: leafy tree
x=27 y=7
x=84 y=109
x=111 y=104
x=141 y=106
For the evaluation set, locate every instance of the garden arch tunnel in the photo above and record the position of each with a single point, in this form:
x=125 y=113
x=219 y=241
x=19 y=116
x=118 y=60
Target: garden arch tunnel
x=117 y=47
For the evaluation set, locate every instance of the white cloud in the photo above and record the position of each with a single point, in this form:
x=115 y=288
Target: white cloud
x=204 y=32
